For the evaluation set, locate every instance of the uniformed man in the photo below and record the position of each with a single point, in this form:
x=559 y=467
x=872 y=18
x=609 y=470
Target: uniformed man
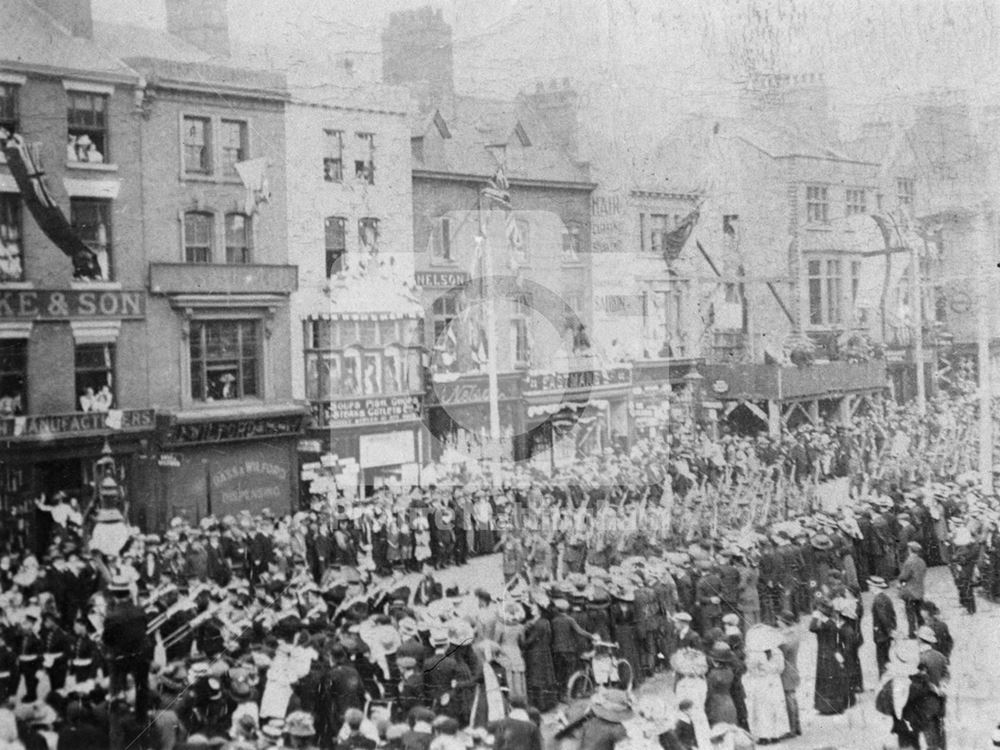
x=55 y=649
x=29 y=652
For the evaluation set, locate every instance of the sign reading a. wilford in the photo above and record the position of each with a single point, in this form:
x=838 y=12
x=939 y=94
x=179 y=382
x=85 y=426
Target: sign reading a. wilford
x=67 y=304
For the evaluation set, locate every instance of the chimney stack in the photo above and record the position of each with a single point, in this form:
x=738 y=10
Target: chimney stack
x=203 y=23
x=75 y=15
x=417 y=52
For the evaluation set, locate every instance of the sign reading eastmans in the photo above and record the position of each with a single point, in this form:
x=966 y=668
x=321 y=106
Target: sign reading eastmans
x=66 y=304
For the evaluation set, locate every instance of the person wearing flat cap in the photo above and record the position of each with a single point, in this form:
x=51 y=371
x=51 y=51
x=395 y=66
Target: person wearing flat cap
x=911 y=586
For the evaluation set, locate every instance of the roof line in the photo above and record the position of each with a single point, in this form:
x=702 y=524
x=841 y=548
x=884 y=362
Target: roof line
x=429 y=174
x=75 y=73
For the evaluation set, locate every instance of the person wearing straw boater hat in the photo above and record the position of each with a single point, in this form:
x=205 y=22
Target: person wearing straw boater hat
x=932 y=661
x=907 y=696
x=605 y=726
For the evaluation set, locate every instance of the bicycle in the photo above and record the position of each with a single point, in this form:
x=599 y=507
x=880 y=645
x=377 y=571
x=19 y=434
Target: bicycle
x=603 y=669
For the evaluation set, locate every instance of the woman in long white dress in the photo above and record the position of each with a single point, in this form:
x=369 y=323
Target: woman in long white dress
x=766 y=711
x=690 y=667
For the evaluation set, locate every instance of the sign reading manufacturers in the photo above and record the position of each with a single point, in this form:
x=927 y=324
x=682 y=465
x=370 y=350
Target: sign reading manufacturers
x=65 y=304
x=355 y=412
x=441 y=279
x=227 y=430
x=563 y=381
x=83 y=423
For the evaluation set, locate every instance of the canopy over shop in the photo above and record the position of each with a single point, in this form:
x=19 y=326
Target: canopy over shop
x=364 y=382
x=458 y=415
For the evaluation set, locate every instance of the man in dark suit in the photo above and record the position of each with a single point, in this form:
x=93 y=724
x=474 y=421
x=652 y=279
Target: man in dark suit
x=517 y=731
x=932 y=661
x=911 y=584
x=932 y=618
x=128 y=648
x=883 y=621
x=411 y=688
x=428 y=589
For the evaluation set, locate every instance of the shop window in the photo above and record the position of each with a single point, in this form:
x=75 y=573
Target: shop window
x=11 y=244
x=663 y=323
x=817 y=204
x=87 y=125
x=571 y=242
x=91 y=219
x=364 y=169
x=225 y=359
x=392 y=370
x=333 y=155
x=233 y=137
x=335 y=243
x=9 y=112
x=372 y=381
x=444 y=311
x=198 y=231
x=519 y=341
x=197 y=145
x=13 y=377
x=350 y=384
x=95 y=376
x=368 y=333
x=239 y=239
x=368 y=234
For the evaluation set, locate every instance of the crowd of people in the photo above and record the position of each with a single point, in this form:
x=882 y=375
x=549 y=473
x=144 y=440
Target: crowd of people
x=330 y=627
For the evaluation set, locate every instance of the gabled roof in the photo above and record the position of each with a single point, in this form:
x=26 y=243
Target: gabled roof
x=126 y=40
x=35 y=41
x=475 y=124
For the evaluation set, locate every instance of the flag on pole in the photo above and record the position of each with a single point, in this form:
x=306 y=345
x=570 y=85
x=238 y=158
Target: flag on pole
x=674 y=241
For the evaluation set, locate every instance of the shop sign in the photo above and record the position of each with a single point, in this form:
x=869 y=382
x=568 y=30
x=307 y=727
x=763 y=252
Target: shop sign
x=82 y=423
x=310 y=446
x=365 y=411
x=228 y=430
x=168 y=460
x=386 y=448
x=253 y=483
x=441 y=279
x=608 y=209
x=580 y=379
x=66 y=304
x=624 y=305
x=474 y=392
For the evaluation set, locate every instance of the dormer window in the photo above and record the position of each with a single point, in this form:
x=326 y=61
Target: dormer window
x=522 y=135
x=417 y=148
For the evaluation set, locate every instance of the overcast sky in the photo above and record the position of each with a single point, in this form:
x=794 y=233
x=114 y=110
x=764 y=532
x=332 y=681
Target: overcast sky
x=871 y=51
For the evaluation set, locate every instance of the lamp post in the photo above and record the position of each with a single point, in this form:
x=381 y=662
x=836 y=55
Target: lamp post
x=108 y=493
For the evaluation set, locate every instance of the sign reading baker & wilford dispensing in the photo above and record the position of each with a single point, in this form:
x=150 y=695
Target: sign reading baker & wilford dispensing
x=66 y=304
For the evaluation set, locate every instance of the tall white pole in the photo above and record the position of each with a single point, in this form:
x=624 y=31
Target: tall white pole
x=983 y=245
x=491 y=354
x=916 y=307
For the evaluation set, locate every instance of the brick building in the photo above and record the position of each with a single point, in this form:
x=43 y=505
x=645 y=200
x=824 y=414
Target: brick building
x=163 y=347
x=540 y=249
x=65 y=339
x=356 y=332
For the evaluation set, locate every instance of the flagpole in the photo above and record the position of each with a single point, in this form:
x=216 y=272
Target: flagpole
x=916 y=306
x=491 y=355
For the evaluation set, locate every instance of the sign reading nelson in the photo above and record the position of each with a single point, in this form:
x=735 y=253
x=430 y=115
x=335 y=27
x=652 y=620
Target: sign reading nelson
x=67 y=304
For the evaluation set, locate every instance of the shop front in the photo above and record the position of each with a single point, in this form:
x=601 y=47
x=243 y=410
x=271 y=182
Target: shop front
x=46 y=454
x=458 y=415
x=667 y=398
x=573 y=414
x=222 y=461
x=379 y=435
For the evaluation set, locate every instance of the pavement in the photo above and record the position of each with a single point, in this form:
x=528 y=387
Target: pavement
x=973 y=710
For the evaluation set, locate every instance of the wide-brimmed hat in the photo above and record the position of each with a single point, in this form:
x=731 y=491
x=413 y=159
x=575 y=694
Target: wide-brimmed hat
x=721 y=652
x=877 y=582
x=821 y=542
x=904 y=659
x=612 y=705
x=925 y=634
x=963 y=537
x=689 y=662
x=915 y=546
x=300 y=724
x=460 y=633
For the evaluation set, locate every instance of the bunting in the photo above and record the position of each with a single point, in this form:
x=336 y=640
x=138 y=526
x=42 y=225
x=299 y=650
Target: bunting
x=25 y=166
x=675 y=240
